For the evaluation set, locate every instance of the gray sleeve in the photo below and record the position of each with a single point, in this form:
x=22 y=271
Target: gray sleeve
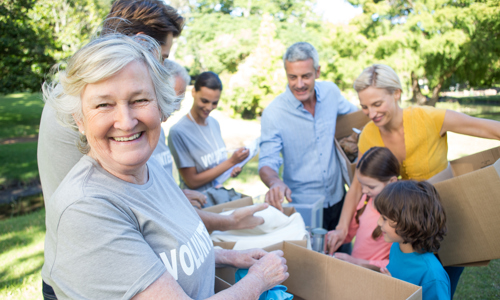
x=101 y=254
x=179 y=149
x=57 y=152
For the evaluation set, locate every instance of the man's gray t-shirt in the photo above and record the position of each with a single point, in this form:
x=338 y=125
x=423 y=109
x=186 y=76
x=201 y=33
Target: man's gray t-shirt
x=193 y=145
x=162 y=153
x=57 y=152
x=110 y=239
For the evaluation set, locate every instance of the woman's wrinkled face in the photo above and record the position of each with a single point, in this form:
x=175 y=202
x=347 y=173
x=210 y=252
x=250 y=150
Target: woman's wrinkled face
x=379 y=105
x=121 y=119
x=204 y=101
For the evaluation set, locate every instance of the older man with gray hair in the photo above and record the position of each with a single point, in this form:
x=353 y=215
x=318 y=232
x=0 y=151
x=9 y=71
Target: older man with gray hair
x=300 y=124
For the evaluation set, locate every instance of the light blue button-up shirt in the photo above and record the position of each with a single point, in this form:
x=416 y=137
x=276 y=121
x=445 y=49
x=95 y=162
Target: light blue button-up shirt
x=311 y=166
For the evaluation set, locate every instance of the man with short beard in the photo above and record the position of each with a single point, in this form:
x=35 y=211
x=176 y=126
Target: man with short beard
x=300 y=124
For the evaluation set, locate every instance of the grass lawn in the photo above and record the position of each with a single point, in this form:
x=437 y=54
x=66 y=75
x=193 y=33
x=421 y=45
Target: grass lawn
x=20 y=115
x=18 y=163
x=21 y=256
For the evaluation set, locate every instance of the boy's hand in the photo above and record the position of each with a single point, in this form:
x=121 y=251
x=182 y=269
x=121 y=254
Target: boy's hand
x=385 y=271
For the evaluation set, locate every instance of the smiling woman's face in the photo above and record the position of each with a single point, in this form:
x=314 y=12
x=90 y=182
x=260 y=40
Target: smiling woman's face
x=121 y=120
x=379 y=105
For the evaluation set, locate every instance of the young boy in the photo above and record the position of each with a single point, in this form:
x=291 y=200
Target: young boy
x=413 y=219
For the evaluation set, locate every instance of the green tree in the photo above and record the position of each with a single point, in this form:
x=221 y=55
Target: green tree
x=260 y=78
x=37 y=34
x=24 y=56
x=434 y=38
x=70 y=23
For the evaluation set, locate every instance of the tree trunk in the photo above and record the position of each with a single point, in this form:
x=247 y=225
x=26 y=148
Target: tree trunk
x=417 y=96
x=435 y=93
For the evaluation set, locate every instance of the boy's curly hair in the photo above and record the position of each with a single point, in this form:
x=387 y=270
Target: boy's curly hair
x=416 y=209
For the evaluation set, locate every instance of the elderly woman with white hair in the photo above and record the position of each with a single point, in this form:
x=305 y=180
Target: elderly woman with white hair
x=118 y=226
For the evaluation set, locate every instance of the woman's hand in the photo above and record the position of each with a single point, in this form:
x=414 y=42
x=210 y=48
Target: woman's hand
x=196 y=198
x=244 y=259
x=239 y=155
x=270 y=270
x=236 y=171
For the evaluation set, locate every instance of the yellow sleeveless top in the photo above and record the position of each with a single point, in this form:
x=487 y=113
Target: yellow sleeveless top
x=426 y=150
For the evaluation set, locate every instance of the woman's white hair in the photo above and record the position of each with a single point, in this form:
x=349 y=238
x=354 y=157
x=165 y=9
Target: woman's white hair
x=379 y=76
x=177 y=70
x=99 y=60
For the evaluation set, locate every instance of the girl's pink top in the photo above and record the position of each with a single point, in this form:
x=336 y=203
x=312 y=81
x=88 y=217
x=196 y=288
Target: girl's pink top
x=365 y=247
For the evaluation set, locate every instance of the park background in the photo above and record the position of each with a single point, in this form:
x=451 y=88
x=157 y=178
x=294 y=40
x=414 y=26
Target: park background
x=446 y=52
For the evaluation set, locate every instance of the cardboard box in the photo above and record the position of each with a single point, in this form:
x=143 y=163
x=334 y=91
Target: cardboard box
x=470 y=193
x=320 y=277
x=343 y=128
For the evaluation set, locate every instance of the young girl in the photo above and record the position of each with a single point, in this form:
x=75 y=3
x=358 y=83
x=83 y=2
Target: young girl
x=413 y=219
x=196 y=142
x=377 y=168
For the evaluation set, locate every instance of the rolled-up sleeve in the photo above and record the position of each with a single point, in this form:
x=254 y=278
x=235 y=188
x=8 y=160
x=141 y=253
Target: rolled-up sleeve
x=271 y=142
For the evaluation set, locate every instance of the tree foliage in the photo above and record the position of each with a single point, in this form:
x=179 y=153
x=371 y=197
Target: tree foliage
x=23 y=48
x=434 y=40
x=37 y=34
x=440 y=42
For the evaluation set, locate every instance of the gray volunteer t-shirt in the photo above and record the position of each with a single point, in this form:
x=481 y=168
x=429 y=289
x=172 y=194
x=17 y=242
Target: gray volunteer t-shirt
x=192 y=148
x=162 y=154
x=57 y=152
x=110 y=239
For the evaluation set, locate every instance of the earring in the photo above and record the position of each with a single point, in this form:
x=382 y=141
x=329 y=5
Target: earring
x=83 y=132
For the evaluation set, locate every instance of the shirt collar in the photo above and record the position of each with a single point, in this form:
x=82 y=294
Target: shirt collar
x=296 y=103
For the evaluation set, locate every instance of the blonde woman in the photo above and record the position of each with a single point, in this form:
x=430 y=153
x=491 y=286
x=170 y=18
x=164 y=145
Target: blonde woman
x=415 y=135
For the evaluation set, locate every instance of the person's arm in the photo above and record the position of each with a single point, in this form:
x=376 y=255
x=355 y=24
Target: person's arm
x=335 y=238
x=277 y=188
x=270 y=161
x=369 y=264
x=195 y=180
x=266 y=271
x=196 y=198
x=241 y=218
x=464 y=124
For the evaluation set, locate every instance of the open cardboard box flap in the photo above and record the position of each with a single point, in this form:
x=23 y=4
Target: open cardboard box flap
x=343 y=128
x=318 y=276
x=470 y=194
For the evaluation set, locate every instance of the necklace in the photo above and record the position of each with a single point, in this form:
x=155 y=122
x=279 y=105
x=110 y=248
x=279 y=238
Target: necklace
x=214 y=147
